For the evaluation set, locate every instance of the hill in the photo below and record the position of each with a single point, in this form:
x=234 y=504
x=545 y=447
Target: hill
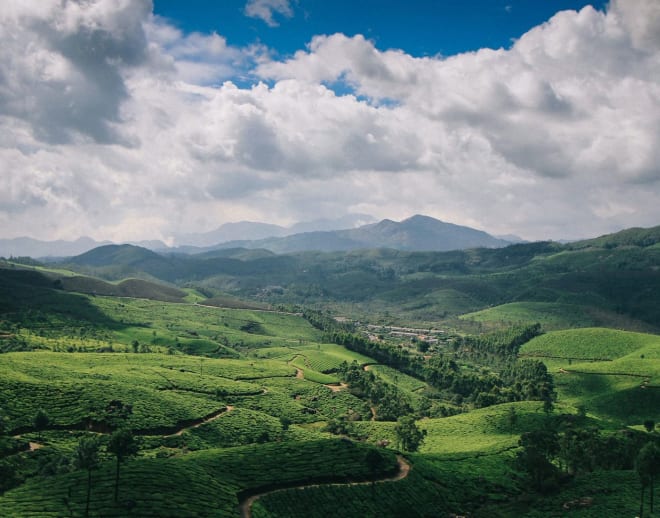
x=579 y=285
x=639 y=237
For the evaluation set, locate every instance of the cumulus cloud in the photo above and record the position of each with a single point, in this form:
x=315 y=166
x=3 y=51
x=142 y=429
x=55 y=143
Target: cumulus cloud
x=115 y=124
x=266 y=9
x=63 y=65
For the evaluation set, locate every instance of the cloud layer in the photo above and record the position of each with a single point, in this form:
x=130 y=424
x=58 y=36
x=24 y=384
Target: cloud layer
x=117 y=125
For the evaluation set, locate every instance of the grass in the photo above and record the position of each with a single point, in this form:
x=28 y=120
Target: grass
x=464 y=466
x=328 y=357
x=612 y=373
x=556 y=315
x=167 y=487
x=401 y=380
x=587 y=344
x=163 y=389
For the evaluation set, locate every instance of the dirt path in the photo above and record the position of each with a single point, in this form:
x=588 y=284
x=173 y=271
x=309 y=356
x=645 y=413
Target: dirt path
x=213 y=417
x=245 y=506
x=32 y=446
x=300 y=374
x=336 y=388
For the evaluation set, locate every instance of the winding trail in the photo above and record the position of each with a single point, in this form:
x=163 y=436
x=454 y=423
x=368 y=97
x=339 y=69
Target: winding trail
x=212 y=417
x=245 y=507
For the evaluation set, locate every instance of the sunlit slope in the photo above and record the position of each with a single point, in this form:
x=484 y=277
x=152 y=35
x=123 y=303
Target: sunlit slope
x=613 y=374
x=555 y=315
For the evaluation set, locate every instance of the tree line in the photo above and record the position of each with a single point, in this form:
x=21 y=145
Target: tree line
x=514 y=381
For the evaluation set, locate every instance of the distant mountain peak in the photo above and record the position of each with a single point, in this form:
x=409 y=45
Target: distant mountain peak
x=416 y=233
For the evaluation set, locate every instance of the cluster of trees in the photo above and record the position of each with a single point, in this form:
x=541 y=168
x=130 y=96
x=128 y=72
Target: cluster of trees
x=86 y=456
x=549 y=455
x=497 y=347
x=516 y=381
x=389 y=402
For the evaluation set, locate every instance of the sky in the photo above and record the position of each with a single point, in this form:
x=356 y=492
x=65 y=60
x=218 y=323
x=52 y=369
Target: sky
x=132 y=119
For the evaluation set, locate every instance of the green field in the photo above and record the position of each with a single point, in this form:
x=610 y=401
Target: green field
x=228 y=403
x=613 y=374
x=554 y=316
x=589 y=344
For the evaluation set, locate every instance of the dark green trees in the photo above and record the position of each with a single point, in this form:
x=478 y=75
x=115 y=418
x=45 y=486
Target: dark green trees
x=647 y=465
x=122 y=445
x=538 y=449
x=408 y=435
x=86 y=457
x=41 y=421
x=512 y=418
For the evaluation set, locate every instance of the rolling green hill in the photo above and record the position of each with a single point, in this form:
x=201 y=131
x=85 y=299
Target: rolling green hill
x=613 y=374
x=610 y=278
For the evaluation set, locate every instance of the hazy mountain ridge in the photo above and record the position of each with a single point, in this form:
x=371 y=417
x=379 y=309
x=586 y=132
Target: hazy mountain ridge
x=417 y=233
x=251 y=231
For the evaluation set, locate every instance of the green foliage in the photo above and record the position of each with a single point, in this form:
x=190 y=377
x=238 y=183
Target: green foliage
x=538 y=449
x=214 y=429
x=588 y=344
x=390 y=402
x=647 y=465
x=41 y=421
x=409 y=436
x=122 y=445
x=86 y=457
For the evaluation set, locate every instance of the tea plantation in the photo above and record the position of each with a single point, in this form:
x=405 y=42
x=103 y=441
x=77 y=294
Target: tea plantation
x=256 y=412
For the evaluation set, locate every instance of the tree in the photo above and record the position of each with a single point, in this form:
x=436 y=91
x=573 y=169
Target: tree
x=122 y=445
x=649 y=424
x=86 y=456
x=375 y=462
x=285 y=422
x=538 y=449
x=647 y=465
x=409 y=436
x=512 y=418
x=41 y=421
x=117 y=413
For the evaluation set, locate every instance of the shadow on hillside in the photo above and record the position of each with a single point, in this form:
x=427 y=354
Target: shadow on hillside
x=35 y=296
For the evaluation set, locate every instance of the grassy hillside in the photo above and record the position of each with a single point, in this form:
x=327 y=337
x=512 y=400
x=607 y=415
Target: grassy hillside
x=613 y=374
x=612 y=277
x=556 y=315
x=588 y=344
x=227 y=403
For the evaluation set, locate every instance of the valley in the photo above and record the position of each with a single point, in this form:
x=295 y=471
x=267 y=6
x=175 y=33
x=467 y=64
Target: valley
x=519 y=381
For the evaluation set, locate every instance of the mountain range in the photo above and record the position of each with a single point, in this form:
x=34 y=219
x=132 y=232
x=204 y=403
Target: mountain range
x=418 y=233
x=612 y=278
x=250 y=230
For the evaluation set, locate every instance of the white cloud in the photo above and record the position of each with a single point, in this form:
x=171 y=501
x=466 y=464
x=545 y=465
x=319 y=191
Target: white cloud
x=266 y=9
x=115 y=124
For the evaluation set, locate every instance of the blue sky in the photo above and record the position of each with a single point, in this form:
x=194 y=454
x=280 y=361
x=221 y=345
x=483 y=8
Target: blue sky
x=420 y=27
x=152 y=119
